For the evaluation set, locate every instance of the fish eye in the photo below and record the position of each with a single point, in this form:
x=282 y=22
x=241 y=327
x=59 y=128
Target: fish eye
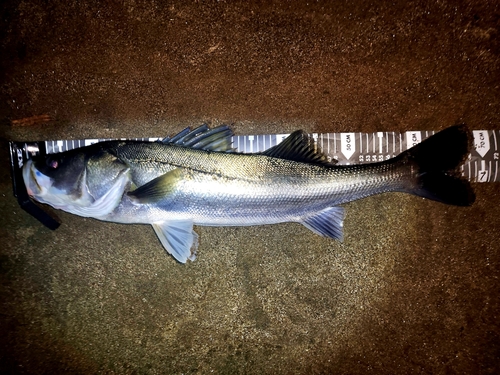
x=52 y=163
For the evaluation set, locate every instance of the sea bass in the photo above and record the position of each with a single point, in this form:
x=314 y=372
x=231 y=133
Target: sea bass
x=196 y=178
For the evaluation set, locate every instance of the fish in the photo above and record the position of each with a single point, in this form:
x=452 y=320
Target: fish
x=197 y=178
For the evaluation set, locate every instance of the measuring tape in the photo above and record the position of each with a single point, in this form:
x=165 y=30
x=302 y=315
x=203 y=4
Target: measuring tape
x=482 y=164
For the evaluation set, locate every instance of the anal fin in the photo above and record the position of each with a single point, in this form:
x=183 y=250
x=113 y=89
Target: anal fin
x=327 y=223
x=178 y=238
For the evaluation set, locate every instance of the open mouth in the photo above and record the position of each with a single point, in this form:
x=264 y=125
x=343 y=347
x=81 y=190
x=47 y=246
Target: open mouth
x=33 y=186
x=33 y=178
x=28 y=177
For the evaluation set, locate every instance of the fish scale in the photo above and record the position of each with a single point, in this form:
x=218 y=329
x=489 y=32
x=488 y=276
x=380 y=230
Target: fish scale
x=215 y=183
x=195 y=178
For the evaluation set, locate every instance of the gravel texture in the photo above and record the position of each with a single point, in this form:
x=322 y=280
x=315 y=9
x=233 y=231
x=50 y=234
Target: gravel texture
x=414 y=287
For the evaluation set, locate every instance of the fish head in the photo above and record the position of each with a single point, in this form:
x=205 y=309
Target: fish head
x=88 y=182
x=57 y=177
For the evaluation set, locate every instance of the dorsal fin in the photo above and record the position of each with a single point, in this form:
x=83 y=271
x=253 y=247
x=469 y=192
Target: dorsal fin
x=298 y=146
x=204 y=138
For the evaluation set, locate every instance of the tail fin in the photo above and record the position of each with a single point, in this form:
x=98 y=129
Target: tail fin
x=437 y=160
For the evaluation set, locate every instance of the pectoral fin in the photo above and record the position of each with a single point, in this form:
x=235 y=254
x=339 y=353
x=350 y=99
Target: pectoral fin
x=156 y=189
x=178 y=238
x=327 y=223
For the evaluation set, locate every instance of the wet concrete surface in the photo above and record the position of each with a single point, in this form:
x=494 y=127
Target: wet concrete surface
x=414 y=288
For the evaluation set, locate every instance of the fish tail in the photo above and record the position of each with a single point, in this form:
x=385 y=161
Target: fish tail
x=436 y=163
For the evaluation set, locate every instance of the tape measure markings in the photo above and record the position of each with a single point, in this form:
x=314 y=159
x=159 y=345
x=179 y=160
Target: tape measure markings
x=482 y=164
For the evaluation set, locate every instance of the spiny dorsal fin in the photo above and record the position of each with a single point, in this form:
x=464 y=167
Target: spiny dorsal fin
x=204 y=138
x=298 y=146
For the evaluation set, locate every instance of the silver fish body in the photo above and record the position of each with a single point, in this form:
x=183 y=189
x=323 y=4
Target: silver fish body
x=179 y=183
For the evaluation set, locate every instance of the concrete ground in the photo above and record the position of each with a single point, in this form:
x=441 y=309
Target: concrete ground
x=414 y=288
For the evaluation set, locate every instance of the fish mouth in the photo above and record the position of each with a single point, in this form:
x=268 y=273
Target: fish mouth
x=34 y=179
x=37 y=184
x=30 y=180
x=39 y=187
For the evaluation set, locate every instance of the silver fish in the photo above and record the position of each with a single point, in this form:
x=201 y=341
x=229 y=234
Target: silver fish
x=195 y=178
